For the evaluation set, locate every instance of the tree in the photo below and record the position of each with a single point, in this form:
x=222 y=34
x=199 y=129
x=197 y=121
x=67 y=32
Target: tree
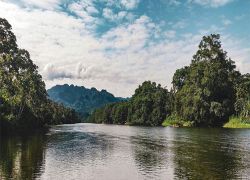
x=242 y=104
x=179 y=78
x=149 y=106
x=22 y=88
x=23 y=97
x=119 y=113
x=205 y=90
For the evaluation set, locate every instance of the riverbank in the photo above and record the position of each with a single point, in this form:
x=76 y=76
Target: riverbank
x=234 y=122
x=175 y=121
x=126 y=152
x=237 y=122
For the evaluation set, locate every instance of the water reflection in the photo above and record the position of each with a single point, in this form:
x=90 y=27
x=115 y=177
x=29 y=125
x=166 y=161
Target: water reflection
x=151 y=153
x=22 y=158
x=87 y=151
x=76 y=154
x=73 y=147
x=209 y=154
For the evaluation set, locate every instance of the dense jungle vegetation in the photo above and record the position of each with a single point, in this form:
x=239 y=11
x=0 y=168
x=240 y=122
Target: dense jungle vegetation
x=24 y=104
x=81 y=99
x=206 y=93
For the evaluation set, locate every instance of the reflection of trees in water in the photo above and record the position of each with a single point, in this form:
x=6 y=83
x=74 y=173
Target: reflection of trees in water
x=80 y=147
x=150 y=154
x=205 y=154
x=21 y=158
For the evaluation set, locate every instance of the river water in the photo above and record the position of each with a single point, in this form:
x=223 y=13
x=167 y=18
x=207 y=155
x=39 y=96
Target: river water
x=112 y=152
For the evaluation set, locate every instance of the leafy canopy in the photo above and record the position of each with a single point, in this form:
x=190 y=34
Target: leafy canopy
x=23 y=97
x=205 y=90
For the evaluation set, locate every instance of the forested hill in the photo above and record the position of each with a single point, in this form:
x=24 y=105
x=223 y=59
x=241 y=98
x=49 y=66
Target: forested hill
x=82 y=99
x=207 y=93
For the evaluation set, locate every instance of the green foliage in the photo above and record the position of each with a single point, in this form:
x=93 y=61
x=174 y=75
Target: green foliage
x=148 y=107
x=205 y=93
x=205 y=90
x=81 y=99
x=238 y=122
x=180 y=77
x=23 y=98
x=242 y=104
x=176 y=121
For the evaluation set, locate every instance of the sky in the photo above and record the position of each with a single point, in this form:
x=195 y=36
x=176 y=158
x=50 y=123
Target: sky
x=118 y=44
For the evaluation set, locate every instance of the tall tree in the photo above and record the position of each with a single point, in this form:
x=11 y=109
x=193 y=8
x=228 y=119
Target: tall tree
x=23 y=97
x=205 y=90
x=149 y=106
x=22 y=88
x=242 y=104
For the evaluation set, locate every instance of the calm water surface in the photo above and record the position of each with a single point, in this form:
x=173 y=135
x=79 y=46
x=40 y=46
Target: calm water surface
x=90 y=151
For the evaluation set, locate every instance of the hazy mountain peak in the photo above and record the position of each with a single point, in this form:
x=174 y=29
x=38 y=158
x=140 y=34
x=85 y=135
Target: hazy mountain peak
x=82 y=99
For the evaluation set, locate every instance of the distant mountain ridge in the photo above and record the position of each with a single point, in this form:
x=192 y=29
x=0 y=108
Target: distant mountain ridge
x=81 y=99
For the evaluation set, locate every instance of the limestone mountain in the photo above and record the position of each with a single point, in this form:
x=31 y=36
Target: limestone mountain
x=81 y=99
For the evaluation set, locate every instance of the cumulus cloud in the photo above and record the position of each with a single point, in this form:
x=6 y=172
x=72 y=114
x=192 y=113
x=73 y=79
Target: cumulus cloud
x=44 y=4
x=85 y=10
x=130 y=4
x=131 y=37
x=50 y=72
x=67 y=50
x=53 y=72
x=123 y=10
x=123 y=4
x=110 y=15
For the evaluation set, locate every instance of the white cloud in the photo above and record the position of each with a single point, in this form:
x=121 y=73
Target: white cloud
x=83 y=6
x=67 y=51
x=130 y=4
x=92 y=10
x=44 y=4
x=110 y=15
x=85 y=10
x=123 y=4
x=50 y=72
x=124 y=8
x=238 y=53
x=131 y=37
x=211 y=3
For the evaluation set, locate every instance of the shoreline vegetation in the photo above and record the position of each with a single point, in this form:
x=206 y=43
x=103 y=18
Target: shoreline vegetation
x=175 y=121
x=210 y=92
x=233 y=123
x=24 y=103
x=204 y=94
x=237 y=122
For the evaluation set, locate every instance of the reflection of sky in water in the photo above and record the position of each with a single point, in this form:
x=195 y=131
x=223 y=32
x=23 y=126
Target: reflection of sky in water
x=88 y=151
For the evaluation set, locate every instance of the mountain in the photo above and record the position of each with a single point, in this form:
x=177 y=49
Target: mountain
x=82 y=99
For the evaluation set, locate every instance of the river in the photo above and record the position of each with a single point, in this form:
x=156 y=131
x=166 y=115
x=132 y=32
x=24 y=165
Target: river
x=112 y=152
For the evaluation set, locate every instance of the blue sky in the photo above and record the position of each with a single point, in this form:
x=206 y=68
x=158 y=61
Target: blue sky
x=118 y=44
